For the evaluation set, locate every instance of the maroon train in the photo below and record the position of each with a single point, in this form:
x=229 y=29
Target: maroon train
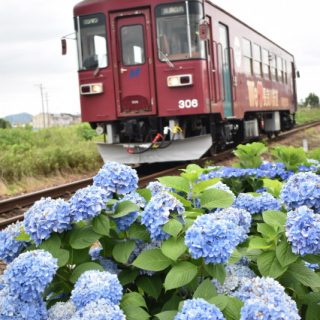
x=172 y=80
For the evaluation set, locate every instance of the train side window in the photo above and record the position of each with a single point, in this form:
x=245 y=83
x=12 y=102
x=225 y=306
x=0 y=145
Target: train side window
x=132 y=45
x=273 y=67
x=265 y=64
x=247 y=56
x=280 y=69
x=257 y=68
x=285 y=71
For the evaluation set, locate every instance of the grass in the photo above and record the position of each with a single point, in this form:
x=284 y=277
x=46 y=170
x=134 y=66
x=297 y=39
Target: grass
x=30 y=157
x=304 y=114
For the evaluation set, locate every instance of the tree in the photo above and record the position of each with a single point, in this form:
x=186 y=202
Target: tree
x=4 y=124
x=312 y=100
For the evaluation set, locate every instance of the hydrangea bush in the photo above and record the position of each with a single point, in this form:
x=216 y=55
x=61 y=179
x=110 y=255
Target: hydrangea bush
x=214 y=243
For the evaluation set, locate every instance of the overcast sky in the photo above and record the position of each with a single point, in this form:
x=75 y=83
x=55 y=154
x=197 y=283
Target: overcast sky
x=30 y=33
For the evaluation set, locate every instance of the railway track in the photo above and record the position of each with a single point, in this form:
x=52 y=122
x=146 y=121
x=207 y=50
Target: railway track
x=11 y=210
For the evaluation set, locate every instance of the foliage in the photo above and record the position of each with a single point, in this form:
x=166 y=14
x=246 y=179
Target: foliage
x=27 y=153
x=249 y=155
x=190 y=249
x=291 y=157
x=304 y=115
x=4 y=124
x=312 y=100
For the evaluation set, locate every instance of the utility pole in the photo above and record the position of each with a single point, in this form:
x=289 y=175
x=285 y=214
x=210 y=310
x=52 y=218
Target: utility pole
x=48 y=114
x=42 y=104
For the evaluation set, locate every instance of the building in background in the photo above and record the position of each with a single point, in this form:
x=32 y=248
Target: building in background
x=48 y=120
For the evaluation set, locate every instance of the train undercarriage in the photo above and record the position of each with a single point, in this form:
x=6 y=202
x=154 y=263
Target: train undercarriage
x=149 y=140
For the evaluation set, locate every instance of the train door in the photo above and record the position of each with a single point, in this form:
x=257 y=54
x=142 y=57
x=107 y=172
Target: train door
x=133 y=63
x=225 y=68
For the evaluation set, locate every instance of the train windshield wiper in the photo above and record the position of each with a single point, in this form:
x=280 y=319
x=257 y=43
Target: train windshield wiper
x=165 y=58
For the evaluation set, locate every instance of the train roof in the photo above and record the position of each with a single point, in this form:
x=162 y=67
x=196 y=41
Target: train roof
x=246 y=25
x=85 y=3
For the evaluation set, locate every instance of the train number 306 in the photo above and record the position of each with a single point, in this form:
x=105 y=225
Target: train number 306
x=187 y=104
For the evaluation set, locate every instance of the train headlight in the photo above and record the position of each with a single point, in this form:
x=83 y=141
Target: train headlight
x=91 y=88
x=180 y=80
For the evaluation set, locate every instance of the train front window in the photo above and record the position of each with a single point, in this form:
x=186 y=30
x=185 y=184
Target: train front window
x=178 y=31
x=92 y=41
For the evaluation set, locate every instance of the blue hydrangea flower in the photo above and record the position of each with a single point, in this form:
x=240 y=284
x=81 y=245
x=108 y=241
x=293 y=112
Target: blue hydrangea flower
x=302 y=189
x=13 y=308
x=265 y=298
x=240 y=217
x=88 y=202
x=116 y=178
x=199 y=309
x=93 y=285
x=29 y=274
x=125 y=222
x=303 y=231
x=45 y=217
x=9 y=247
x=236 y=275
x=61 y=311
x=157 y=213
x=312 y=266
x=212 y=239
x=272 y=170
x=107 y=264
x=265 y=201
x=156 y=187
x=100 y=309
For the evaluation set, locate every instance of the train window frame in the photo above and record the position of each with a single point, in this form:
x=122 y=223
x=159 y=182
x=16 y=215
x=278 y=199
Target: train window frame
x=247 y=56
x=164 y=44
x=143 y=47
x=266 y=64
x=94 y=60
x=285 y=71
x=273 y=67
x=280 y=69
x=257 y=60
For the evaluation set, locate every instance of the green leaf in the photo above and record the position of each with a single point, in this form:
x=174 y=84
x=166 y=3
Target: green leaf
x=127 y=276
x=203 y=185
x=122 y=251
x=133 y=299
x=166 y=315
x=235 y=257
x=62 y=256
x=51 y=244
x=137 y=231
x=181 y=274
x=284 y=253
x=220 y=301
x=192 y=172
x=258 y=243
x=313 y=312
x=79 y=256
x=233 y=308
x=216 y=271
x=186 y=203
x=150 y=285
x=304 y=275
x=145 y=193
x=273 y=186
x=153 y=260
x=173 y=248
x=274 y=218
x=101 y=225
x=215 y=198
x=123 y=208
x=176 y=183
x=79 y=270
x=269 y=265
x=268 y=232
x=172 y=227
x=206 y=290
x=134 y=313
x=23 y=236
x=81 y=238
